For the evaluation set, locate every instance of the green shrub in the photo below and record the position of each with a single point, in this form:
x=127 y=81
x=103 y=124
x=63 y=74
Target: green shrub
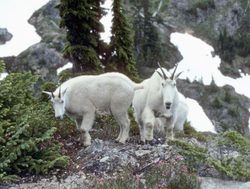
x=229 y=46
x=184 y=182
x=2 y=67
x=201 y=4
x=233 y=162
x=189 y=131
x=26 y=129
x=204 y=4
x=194 y=155
x=217 y=103
x=236 y=141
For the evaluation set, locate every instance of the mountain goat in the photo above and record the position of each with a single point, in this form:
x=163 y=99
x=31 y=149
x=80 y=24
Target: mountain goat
x=83 y=96
x=158 y=103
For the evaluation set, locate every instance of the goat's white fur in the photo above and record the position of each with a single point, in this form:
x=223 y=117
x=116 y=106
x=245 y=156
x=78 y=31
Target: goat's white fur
x=174 y=123
x=83 y=96
x=150 y=102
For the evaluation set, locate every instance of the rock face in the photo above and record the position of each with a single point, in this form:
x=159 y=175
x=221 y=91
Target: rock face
x=45 y=57
x=4 y=36
x=40 y=59
x=207 y=20
x=46 y=20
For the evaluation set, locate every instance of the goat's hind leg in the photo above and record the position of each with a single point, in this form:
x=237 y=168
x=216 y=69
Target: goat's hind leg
x=124 y=123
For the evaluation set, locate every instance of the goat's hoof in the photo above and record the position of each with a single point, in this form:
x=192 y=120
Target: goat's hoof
x=151 y=142
x=122 y=141
x=142 y=142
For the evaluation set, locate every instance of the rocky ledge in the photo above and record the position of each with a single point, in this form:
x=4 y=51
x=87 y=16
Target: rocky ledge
x=194 y=160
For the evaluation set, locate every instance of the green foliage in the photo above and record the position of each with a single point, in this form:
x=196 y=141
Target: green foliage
x=82 y=20
x=236 y=167
x=2 y=66
x=201 y=4
x=171 y=174
x=189 y=131
x=149 y=43
x=134 y=129
x=213 y=87
x=193 y=154
x=233 y=162
x=217 y=103
x=26 y=130
x=184 y=182
x=230 y=46
x=236 y=141
x=122 y=42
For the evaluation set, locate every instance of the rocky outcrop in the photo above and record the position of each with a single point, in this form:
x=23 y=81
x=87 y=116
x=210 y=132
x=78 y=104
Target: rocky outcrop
x=4 y=36
x=40 y=59
x=46 y=20
x=104 y=160
x=45 y=57
x=227 y=109
x=207 y=20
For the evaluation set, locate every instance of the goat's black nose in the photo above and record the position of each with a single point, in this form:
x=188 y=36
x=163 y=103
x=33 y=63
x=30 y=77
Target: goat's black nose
x=168 y=105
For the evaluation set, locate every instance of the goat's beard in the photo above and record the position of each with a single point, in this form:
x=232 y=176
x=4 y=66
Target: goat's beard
x=167 y=114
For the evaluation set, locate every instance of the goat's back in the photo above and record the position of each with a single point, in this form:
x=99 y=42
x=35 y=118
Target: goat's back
x=105 y=92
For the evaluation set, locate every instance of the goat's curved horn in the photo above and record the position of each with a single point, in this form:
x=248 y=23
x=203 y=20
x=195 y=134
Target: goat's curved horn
x=59 y=93
x=164 y=75
x=178 y=75
x=172 y=76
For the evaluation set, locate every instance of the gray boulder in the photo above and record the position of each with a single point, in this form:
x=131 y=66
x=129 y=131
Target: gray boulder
x=4 y=36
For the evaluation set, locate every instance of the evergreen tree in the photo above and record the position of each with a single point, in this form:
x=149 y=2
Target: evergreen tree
x=82 y=20
x=150 y=48
x=122 y=42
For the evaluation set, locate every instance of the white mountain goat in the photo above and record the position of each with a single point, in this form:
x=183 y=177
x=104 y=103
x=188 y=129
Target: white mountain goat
x=83 y=96
x=158 y=103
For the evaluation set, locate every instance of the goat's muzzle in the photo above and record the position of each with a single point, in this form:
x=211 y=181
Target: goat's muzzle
x=59 y=117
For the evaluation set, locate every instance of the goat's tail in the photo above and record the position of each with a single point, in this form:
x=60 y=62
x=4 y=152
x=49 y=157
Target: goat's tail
x=138 y=86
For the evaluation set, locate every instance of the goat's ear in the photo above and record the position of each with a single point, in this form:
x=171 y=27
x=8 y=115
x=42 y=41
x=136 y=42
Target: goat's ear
x=49 y=93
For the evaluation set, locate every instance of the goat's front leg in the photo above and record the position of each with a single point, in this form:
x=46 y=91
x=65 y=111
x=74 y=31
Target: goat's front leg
x=169 y=131
x=86 y=125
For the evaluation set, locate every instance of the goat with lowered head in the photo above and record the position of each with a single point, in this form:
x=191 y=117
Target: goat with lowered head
x=158 y=103
x=84 y=96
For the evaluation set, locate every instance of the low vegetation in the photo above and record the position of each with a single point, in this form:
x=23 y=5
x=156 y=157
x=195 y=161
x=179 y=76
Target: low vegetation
x=27 y=130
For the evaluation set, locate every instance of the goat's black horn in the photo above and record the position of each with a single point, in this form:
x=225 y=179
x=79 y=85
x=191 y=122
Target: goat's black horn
x=59 y=93
x=164 y=75
x=172 y=76
x=53 y=96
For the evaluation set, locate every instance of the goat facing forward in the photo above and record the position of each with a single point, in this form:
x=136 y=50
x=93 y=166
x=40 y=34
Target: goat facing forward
x=159 y=104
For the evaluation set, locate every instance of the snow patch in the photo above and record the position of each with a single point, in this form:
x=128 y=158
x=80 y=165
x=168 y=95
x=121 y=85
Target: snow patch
x=106 y=21
x=69 y=65
x=14 y=15
x=3 y=75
